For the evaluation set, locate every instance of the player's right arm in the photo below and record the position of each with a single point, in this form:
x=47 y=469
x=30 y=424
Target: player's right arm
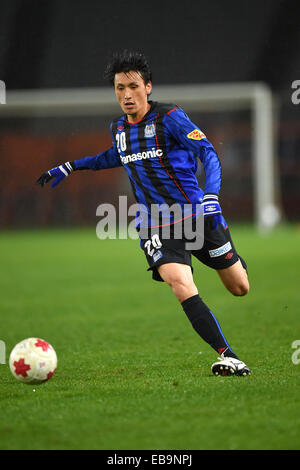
x=108 y=159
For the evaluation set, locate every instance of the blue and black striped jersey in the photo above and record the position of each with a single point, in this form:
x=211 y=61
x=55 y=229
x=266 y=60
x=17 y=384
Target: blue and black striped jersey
x=159 y=154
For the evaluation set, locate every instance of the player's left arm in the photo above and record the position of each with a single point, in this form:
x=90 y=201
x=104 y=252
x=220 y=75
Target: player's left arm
x=187 y=134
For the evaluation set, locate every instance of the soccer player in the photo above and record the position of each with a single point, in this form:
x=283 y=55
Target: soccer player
x=158 y=146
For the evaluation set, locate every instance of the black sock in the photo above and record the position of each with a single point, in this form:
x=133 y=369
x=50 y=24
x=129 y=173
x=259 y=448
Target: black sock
x=206 y=325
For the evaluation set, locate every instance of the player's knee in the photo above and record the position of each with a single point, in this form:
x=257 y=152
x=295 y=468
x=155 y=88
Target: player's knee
x=180 y=279
x=240 y=289
x=183 y=289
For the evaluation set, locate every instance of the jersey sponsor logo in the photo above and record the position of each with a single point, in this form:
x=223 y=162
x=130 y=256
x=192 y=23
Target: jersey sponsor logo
x=220 y=251
x=142 y=155
x=150 y=130
x=196 y=135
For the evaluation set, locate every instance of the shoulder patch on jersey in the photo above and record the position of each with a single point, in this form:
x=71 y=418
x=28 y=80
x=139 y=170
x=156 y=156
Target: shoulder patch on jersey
x=196 y=135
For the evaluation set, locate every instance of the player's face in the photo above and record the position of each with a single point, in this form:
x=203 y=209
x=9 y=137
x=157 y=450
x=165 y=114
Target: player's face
x=132 y=94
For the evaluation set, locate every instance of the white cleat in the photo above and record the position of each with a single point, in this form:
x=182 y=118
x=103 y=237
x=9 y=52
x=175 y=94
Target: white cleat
x=230 y=366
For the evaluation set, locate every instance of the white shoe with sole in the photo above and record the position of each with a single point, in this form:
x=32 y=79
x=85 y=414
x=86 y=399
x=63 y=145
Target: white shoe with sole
x=230 y=366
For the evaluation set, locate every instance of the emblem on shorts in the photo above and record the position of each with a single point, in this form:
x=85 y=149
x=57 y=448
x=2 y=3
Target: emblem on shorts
x=220 y=251
x=150 y=130
x=157 y=255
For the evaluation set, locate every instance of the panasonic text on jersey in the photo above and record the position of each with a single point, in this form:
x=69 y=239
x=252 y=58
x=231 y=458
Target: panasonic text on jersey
x=142 y=155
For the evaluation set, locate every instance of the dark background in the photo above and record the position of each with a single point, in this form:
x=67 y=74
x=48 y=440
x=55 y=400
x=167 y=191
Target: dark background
x=61 y=44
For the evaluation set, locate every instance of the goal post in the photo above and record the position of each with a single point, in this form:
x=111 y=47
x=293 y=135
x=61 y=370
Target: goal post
x=254 y=96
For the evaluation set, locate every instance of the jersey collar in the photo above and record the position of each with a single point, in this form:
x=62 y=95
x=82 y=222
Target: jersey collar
x=152 y=107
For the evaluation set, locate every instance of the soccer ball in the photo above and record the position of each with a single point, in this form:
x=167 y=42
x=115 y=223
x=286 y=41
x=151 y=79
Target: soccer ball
x=33 y=361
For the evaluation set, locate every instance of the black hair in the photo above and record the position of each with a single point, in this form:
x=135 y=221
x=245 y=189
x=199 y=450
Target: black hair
x=125 y=61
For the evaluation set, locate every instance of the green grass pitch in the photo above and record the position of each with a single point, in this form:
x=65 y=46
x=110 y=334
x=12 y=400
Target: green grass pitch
x=132 y=373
